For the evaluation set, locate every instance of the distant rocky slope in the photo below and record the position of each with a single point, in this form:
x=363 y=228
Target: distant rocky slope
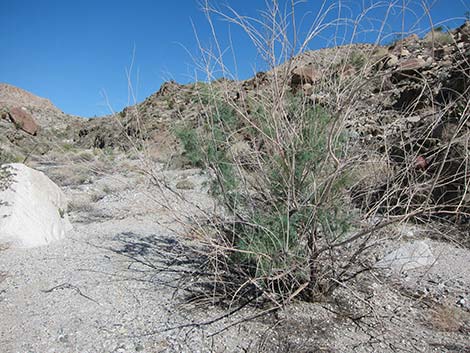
x=402 y=85
x=14 y=96
x=43 y=111
x=30 y=125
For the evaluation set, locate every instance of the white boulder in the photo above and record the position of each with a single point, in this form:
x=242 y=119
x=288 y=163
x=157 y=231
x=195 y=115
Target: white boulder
x=33 y=209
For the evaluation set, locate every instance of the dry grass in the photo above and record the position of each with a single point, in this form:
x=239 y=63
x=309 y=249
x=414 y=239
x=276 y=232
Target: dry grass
x=450 y=319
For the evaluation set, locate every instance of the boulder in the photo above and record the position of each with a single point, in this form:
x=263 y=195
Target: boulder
x=305 y=74
x=308 y=89
x=408 y=257
x=414 y=64
x=23 y=120
x=168 y=88
x=33 y=210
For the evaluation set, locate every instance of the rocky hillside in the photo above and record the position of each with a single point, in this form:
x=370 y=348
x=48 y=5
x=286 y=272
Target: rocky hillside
x=31 y=126
x=408 y=113
x=46 y=114
x=12 y=96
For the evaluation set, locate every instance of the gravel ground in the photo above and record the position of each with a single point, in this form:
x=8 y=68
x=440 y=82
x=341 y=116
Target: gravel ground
x=94 y=291
x=114 y=285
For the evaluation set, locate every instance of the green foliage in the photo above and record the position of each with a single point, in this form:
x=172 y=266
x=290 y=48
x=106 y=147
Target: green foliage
x=439 y=37
x=273 y=238
x=208 y=146
x=270 y=246
x=68 y=147
x=8 y=157
x=18 y=125
x=207 y=94
x=357 y=59
x=444 y=38
x=191 y=144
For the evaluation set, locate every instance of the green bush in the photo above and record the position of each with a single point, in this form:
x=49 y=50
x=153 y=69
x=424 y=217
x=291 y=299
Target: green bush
x=191 y=145
x=357 y=59
x=8 y=157
x=296 y=200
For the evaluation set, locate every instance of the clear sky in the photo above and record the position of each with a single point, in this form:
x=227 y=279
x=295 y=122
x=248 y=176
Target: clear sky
x=71 y=51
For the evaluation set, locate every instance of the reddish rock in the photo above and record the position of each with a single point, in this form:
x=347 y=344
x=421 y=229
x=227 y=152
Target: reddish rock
x=348 y=71
x=421 y=163
x=23 y=120
x=414 y=64
x=305 y=74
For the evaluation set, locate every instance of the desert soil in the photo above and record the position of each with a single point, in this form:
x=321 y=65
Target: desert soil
x=116 y=285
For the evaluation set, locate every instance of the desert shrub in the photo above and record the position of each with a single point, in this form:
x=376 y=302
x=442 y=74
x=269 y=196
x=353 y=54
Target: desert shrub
x=439 y=37
x=191 y=144
x=357 y=59
x=67 y=147
x=8 y=157
x=286 y=226
x=288 y=202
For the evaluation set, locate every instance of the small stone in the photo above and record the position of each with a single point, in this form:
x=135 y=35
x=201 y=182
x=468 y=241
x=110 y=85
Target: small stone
x=446 y=63
x=305 y=74
x=63 y=338
x=307 y=88
x=412 y=64
x=392 y=61
x=408 y=257
x=413 y=119
x=185 y=185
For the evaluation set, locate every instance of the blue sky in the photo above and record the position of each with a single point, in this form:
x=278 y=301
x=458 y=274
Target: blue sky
x=73 y=51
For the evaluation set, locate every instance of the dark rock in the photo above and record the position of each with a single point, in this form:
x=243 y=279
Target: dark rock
x=168 y=88
x=463 y=32
x=421 y=163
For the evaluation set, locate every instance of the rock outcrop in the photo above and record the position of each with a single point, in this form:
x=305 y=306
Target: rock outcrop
x=33 y=210
x=22 y=119
x=305 y=74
